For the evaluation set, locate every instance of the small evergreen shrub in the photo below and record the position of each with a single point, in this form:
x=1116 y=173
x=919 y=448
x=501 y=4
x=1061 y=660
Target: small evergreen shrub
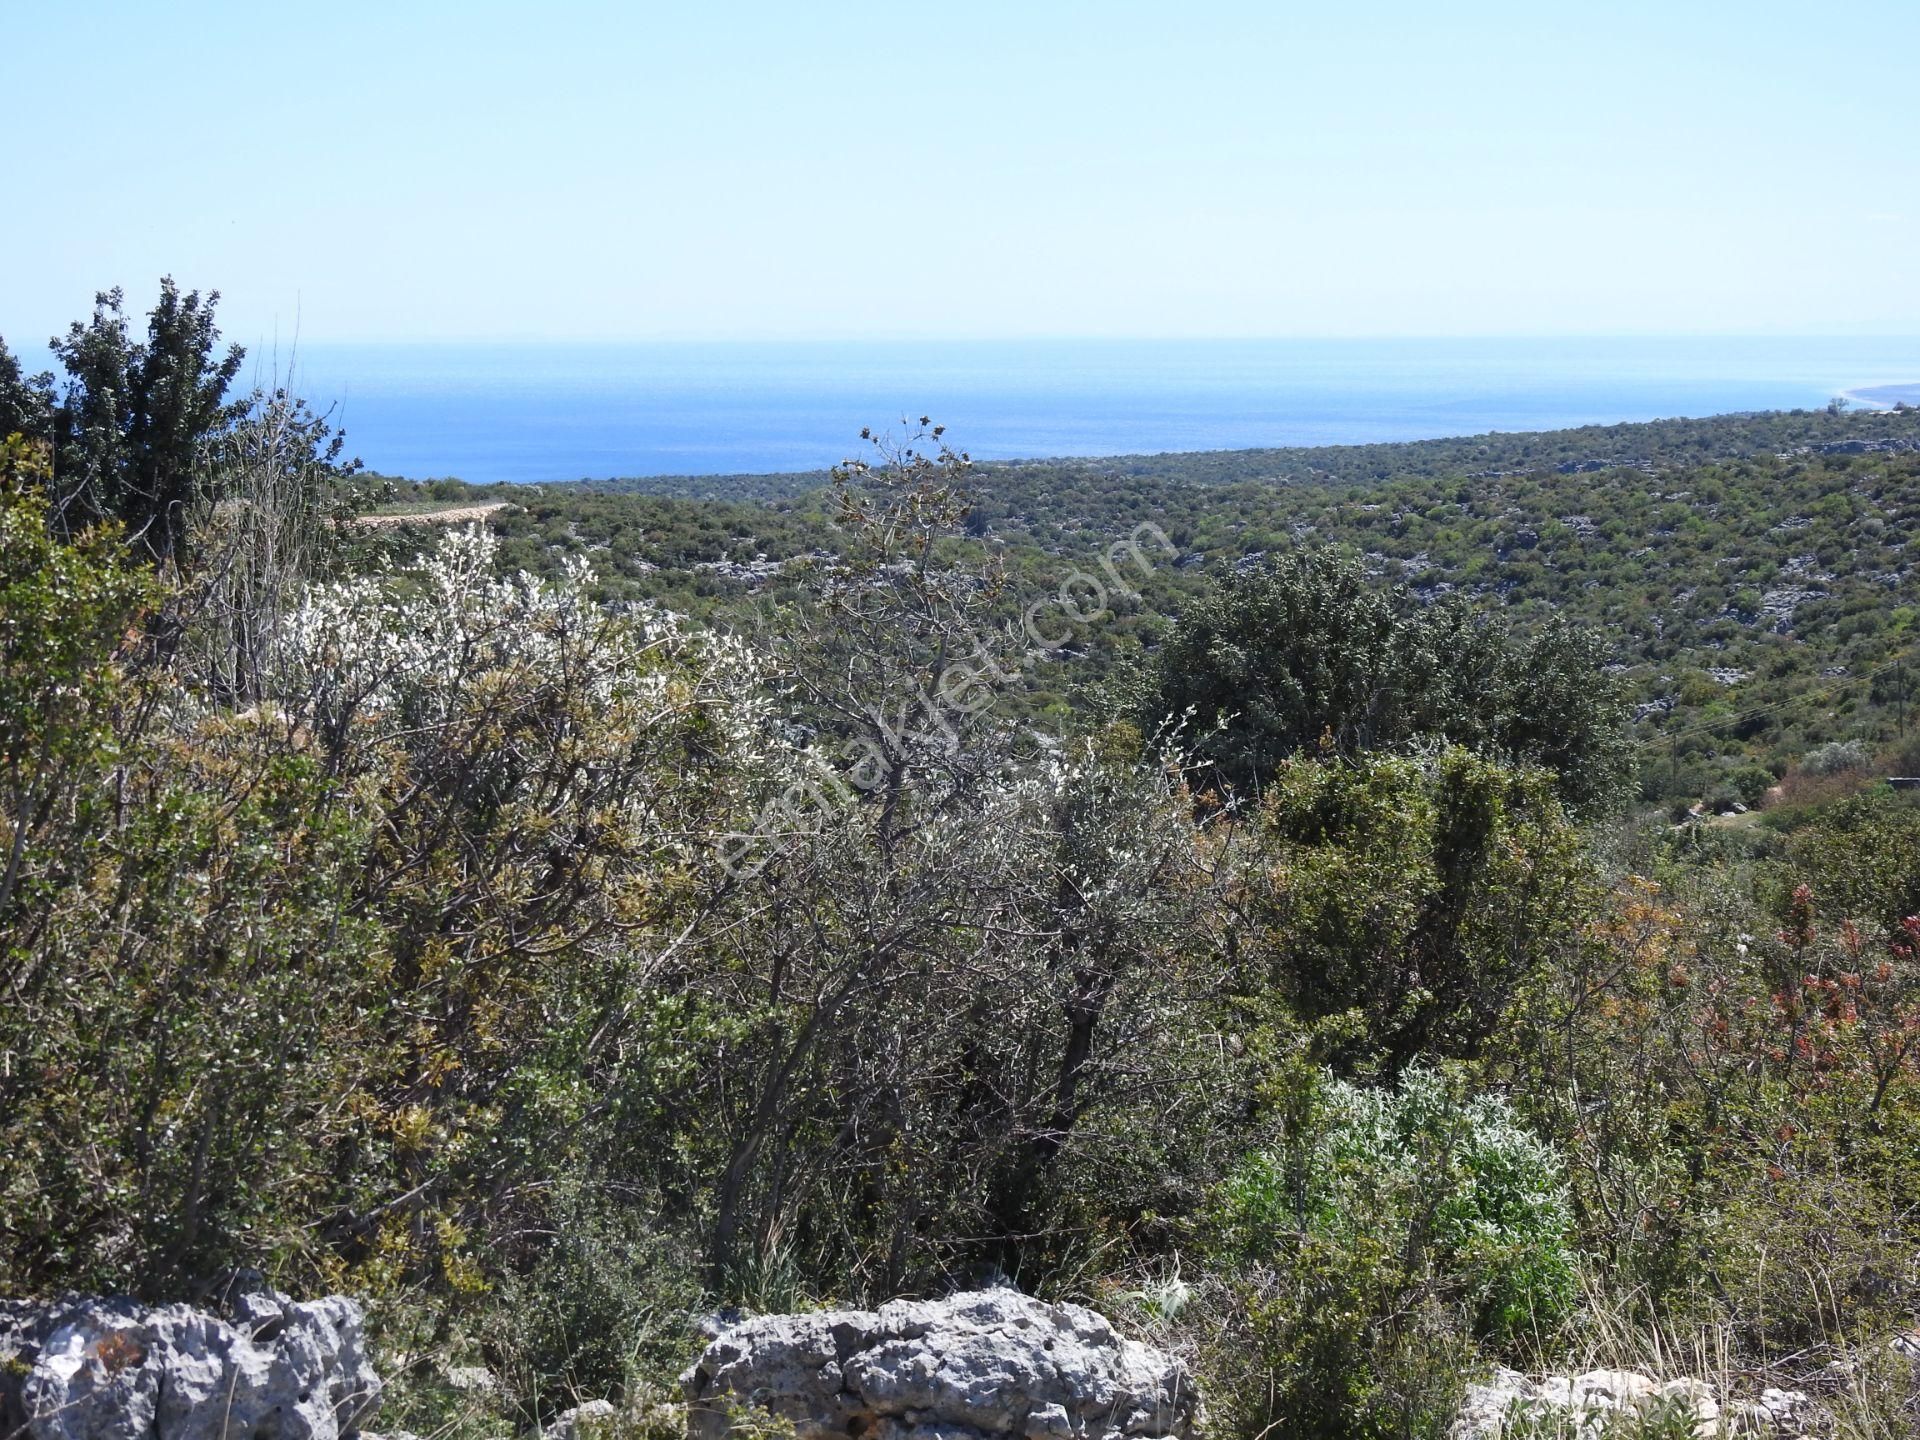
x=1485 y=1200
x=1836 y=758
x=1367 y=1253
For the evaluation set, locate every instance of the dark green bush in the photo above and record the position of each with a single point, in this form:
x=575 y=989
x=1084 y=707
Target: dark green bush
x=1369 y=1250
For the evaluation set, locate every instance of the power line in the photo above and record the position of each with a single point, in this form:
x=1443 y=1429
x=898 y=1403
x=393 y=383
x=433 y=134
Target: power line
x=1702 y=727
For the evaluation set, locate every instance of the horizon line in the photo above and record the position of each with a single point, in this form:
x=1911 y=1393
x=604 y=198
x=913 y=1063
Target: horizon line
x=929 y=338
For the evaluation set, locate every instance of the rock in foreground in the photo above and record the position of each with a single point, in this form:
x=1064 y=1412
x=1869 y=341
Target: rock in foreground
x=82 y=1369
x=984 y=1365
x=1583 y=1403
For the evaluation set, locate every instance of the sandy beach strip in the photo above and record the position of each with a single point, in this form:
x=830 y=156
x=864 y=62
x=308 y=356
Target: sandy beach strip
x=1885 y=397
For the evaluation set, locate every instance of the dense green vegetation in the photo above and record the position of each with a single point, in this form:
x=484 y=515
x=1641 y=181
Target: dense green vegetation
x=1303 y=654
x=1746 y=574
x=415 y=912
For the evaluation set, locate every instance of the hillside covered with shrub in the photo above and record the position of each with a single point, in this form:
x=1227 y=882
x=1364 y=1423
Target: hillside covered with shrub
x=1279 y=938
x=1747 y=575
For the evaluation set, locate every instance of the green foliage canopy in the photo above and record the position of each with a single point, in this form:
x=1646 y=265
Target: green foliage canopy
x=1304 y=654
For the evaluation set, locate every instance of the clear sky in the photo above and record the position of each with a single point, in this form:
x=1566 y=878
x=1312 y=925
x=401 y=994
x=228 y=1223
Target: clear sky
x=396 y=170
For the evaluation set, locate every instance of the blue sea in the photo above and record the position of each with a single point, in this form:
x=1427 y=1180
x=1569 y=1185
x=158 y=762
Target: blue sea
x=559 y=412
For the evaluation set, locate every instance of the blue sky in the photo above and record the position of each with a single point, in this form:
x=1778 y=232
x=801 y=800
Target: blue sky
x=713 y=170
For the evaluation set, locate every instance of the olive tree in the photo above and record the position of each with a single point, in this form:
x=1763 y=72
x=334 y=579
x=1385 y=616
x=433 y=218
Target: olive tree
x=1305 y=655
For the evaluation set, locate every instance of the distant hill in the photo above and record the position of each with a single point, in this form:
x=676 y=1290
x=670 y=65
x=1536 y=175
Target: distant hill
x=1640 y=444
x=1752 y=572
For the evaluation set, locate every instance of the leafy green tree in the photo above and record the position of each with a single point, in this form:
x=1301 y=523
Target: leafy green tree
x=1551 y=704
x=134 y=420
x=1281 y=659
x=1305 y=654
x=1414 y=894
x=178 y=387
x=90 y=418
x=26 y=405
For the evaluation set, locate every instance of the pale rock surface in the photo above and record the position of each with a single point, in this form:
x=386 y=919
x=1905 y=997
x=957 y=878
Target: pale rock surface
x=86 y=1369
x=986 y=1363
x=475 y=1378
x=1488 y=1404
x=1775 y=1412
x=1589 y=1400
x=581 y=1422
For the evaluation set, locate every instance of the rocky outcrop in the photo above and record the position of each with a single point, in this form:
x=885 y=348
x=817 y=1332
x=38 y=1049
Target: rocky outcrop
x=581 y=1422
x=984 y=1365
x=1509 y=1398
x=271 y=1369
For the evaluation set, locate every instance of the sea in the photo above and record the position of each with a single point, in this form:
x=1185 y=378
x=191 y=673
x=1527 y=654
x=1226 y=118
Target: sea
x=543 y=412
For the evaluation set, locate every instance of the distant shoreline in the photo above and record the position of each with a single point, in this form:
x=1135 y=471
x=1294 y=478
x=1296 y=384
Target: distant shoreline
x=504 y=412
x=1885 y=397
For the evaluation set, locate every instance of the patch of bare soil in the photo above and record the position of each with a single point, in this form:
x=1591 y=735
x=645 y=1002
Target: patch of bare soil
x=457 y=515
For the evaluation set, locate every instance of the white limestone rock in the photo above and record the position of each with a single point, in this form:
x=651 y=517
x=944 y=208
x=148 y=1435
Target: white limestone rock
x=1489 y=1404
x=84 y=1369
x=1586 y=1403
x=986 y=1363
x=581 y=1422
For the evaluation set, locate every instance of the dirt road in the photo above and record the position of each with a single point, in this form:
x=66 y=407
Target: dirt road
x=458 y=515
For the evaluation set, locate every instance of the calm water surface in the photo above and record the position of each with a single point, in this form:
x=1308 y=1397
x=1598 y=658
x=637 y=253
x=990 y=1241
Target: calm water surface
x=560 y=412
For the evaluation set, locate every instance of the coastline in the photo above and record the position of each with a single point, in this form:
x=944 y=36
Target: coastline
x=1884 y=397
